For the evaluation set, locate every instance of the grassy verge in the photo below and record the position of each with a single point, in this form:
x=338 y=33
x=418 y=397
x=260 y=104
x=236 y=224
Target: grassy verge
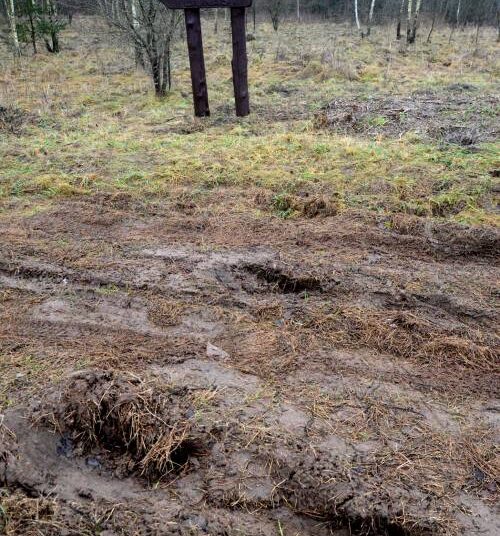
x=92 y=124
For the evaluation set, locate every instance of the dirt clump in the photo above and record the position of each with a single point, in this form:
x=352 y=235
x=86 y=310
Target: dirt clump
x=284 y=279
x=325 y=487
x=144 y=430
x=306 y=204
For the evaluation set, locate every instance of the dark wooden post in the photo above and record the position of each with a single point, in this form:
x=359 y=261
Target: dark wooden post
x=197 y=62
x=240 y=62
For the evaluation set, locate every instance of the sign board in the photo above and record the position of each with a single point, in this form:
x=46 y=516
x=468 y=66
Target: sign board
x=202 y=4
x=196 y=57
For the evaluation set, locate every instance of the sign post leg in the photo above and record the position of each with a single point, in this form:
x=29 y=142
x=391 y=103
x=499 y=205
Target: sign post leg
x=240 y=61
x=197 y=62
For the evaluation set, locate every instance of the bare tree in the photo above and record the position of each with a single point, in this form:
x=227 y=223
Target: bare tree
x=435 y=12
x=139 y=58
x=408 y=20
x=30 y=11
x=50 y=24
x=457 y=19
x=413 y=20
x=151 y=28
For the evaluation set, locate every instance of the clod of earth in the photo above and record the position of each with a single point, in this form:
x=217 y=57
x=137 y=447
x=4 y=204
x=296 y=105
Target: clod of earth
x=146 y=432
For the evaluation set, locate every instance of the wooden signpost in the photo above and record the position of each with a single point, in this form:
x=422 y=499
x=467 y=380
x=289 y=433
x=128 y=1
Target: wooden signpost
x=196 y=58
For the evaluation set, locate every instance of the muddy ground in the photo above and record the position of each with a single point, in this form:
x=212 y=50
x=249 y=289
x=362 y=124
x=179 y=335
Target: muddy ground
x=176 y=369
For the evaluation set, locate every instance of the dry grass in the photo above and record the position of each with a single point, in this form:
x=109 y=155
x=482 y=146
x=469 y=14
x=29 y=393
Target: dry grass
x=404 y=334
x=28 y=516
x=166 y=312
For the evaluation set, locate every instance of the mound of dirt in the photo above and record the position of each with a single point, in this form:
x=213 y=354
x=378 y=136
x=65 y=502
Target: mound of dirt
x=143 y=430
x=433 y=115
x=322 y=485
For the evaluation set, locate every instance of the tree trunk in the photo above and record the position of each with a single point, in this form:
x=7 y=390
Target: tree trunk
x=457 y=20
x=370 y=18
x=434 y=17
x=52 y=45
x=409 y=21
x=400 y=18
x=139 y=59
x=356 y=14
x=414 y=23
x=498 y=23
x=478 y=29
x=31 y=20
x=298 y=10
x=11 y=15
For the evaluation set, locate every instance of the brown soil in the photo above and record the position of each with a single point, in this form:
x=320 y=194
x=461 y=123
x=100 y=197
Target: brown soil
x=185 y=370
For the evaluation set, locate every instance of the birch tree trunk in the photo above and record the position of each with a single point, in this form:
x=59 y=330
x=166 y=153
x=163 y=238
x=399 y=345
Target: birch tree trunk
x=370 y=18
x=457 y=20
x=139 y=58
x=409 y=20
x=356 y=14
x=298 y=10
x=11 y=15
x=414 y=22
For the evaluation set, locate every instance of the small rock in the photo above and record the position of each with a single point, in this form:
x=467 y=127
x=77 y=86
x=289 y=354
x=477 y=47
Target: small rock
x=214 y=351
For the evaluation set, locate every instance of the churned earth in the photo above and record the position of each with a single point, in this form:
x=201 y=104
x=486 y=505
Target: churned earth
x=181 y=369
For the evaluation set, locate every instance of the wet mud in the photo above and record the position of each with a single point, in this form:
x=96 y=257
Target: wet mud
x=173 y=373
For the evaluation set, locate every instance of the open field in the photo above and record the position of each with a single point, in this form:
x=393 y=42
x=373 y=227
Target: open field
x=279 y=325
